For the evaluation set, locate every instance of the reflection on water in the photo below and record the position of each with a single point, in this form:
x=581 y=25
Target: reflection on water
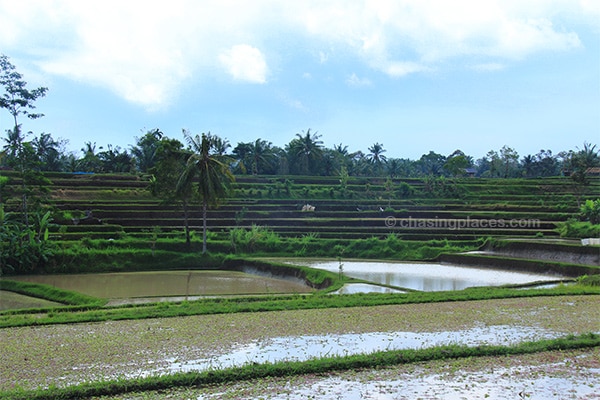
x=353 y=288
x=302 y=348
x=167 y=283
x=428 y=277
x=543 y=381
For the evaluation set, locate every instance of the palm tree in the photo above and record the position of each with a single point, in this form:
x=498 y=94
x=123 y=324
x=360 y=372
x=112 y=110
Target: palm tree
x=48 y=152
x=307 y=149
x=261 y=154
x=144 y=152
x=210 y=170
x=376 y=157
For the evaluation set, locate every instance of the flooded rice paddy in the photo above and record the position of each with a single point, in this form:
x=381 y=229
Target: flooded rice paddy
x=379 y=277
x=544 y=376
x=62 y=355
x=428 y=277
x=303 y=348
x=162 y=284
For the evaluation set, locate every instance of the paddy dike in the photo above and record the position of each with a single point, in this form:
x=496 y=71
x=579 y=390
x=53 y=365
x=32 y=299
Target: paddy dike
x=553 y=257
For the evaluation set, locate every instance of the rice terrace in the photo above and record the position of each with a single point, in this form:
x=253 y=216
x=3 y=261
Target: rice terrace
x=200 y=271
x=370 y=293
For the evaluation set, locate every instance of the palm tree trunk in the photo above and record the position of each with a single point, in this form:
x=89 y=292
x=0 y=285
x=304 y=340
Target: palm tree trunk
x=186 y=223
x=204 y=208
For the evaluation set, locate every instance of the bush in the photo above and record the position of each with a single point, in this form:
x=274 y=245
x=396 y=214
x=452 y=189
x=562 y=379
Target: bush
x=590 y=211
x=577 y=229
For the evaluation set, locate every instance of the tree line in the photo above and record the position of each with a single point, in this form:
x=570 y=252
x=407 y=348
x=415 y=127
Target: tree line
x=305 y=154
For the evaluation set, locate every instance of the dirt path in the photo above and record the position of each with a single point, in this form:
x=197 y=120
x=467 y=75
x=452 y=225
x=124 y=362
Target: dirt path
x=65 y=354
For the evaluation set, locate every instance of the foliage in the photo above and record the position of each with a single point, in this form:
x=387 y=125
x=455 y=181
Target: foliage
x=577 y=229
x=589 y=280
x=211 y=306
x=50 y=293
x=305 y=152
x=257 y=238
x=24 y=249
x=145 y=151
x=17 y=99
x=581 y=161
x=210 y=172
x=590 y=211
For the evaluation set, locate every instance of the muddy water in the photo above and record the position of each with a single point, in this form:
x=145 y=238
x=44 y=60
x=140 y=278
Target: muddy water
x=167 y=283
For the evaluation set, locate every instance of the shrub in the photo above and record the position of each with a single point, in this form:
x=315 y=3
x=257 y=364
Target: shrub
x=577 y=229
x=590 y=211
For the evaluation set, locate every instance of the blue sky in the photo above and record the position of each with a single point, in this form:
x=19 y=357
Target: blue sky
x=415 y=75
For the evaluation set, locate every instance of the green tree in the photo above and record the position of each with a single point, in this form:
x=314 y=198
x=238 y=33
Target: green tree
x=114 y=159
x=510 y=161
x=209 y=171
x=19 y=101
x=376 y=158
x=590 y=211
x=170 y=163
x=91 y=161
x=49 y=152
x=144 y=152
x=456 y=163
x=431 y=164
x=24 y=249
x=581 y=161
x=260 y=152
x=306 y=152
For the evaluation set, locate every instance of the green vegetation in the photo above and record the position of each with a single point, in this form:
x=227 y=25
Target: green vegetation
x=291 y=368
x=119 y=210
x=578 y=229
x=50 y=293
x=94 y=312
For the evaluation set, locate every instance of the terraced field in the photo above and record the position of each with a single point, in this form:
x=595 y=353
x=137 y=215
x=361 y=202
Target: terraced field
x=119 y=206
x=108 y=205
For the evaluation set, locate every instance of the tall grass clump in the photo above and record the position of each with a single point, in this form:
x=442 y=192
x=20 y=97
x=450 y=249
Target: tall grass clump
x=256 y=238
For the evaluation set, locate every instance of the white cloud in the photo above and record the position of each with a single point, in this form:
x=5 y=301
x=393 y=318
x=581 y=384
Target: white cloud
x=354 y=80
x=488 y=67
x=245 y=63
x=145 y=51
x=403 y=37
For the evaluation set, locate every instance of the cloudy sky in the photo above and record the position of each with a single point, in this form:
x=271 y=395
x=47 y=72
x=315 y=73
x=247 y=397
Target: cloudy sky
x=414 y=75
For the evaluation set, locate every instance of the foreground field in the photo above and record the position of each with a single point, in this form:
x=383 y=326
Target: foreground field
x=63 y=355
x=542 y=376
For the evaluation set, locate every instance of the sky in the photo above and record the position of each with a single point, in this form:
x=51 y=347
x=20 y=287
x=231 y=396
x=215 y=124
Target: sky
x=413 y=75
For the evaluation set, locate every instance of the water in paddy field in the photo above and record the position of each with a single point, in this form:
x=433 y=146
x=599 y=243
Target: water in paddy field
x=302 y=348
x=154 y=284
x=428 y=277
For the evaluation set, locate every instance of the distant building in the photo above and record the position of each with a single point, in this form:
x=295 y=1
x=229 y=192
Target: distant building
x=594 y=171
x=470 y=172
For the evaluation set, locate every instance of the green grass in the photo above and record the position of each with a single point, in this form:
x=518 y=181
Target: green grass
x=274 y=303
x=50 y=293
x=291 y=368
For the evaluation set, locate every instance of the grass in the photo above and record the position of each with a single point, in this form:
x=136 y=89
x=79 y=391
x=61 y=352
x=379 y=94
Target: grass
x=90 y=313
x=50 y=293
x=293 y=368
